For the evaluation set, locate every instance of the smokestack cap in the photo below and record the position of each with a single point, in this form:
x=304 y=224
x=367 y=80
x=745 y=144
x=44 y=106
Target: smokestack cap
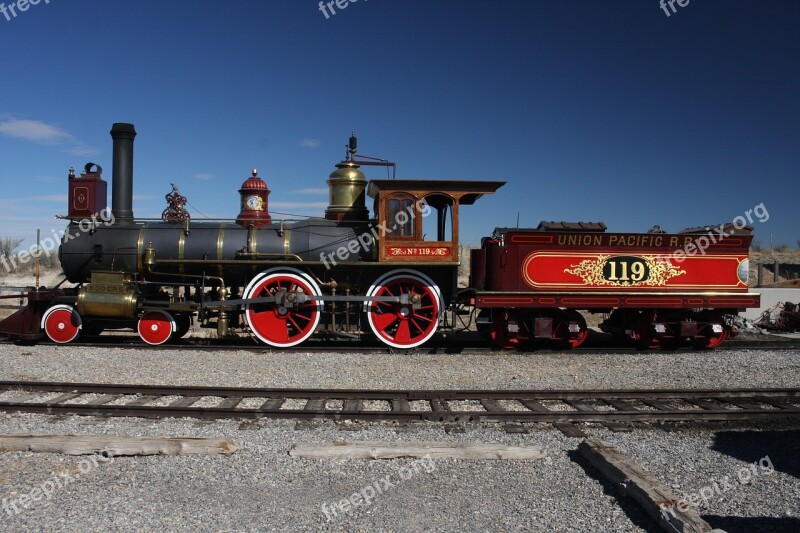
x=123 y=130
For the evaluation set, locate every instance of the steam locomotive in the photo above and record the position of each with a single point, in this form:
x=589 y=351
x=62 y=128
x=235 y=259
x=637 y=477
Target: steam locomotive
x=392 y=275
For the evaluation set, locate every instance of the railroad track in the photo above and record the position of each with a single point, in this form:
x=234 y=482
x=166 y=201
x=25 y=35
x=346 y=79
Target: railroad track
x=601 y=345
x=436 y=405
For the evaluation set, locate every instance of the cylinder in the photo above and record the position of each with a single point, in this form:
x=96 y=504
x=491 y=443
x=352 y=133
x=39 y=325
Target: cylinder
x=109 y=295
x=122 y=173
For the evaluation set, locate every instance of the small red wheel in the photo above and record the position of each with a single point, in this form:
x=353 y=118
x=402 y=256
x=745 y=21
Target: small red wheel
x=62 y=323
x=156 y=327
x=287 y=323
x=404 y=325
x=567 y=337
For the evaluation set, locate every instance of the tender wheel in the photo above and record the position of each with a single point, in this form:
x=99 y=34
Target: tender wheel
x=712 y=338
x=502 y=334
x=285 y=323
x=712 y=342
x=566 y=333
x=404 y=325
x=156 y=327
x=645 y=334
x=62 y=323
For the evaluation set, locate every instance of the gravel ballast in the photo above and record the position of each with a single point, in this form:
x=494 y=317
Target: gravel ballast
x=487 y=370
x=261 y=488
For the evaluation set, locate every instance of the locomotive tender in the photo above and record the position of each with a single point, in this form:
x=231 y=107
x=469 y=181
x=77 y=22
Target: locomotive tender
x=394 y=274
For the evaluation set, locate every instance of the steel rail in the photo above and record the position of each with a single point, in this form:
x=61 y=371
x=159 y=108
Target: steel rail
x=434 y=346
x=642 y=405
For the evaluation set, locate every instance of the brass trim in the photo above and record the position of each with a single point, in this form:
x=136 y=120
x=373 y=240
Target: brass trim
x=140 y=248
x=220 y=248
x=181 y=252
x=253 y=246
x=359 y=265
x=287 y=239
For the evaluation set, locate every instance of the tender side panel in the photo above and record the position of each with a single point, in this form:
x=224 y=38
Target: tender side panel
x=615 y=263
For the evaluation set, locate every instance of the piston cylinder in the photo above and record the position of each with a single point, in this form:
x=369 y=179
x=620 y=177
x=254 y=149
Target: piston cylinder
x=109 y=295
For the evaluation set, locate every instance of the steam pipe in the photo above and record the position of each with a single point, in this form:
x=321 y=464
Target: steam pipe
x=122 y=173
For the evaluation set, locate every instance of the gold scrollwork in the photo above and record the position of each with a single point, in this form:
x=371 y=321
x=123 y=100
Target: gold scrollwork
x=591 y=272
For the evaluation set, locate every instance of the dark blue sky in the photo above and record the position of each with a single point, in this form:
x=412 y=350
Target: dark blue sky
x=591 y=110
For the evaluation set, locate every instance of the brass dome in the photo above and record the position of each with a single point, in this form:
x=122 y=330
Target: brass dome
x=347 y=185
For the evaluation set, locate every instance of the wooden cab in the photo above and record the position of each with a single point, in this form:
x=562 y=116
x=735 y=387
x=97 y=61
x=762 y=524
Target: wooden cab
x=417 y=220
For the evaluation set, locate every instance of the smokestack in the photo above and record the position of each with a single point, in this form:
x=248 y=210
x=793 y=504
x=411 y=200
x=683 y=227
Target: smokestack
x=122 y=173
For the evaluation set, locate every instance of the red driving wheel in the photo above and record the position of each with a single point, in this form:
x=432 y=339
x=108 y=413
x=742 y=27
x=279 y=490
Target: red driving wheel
x=404 y=325
x=283 y=323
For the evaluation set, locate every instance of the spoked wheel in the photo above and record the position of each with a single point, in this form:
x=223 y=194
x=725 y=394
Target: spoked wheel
x=404 y=325
x=156 y=327
x=571 y=331
x=645 y=333
x=711 y=338
x=62 y=323
x=290 y=320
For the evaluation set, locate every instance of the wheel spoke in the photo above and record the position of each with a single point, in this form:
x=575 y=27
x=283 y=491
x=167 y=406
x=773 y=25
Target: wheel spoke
x=304 y=317
x=297 y=326
x=420 y=329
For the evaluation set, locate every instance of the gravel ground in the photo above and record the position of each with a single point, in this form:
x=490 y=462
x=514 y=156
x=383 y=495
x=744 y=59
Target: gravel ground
x=261 y=488
x=695 y=369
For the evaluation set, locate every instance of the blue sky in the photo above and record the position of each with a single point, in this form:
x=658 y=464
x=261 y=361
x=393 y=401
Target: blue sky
x=591 y=110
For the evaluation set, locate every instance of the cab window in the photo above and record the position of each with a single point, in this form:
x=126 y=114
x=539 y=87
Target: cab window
x=400 y=217
x=438 y=218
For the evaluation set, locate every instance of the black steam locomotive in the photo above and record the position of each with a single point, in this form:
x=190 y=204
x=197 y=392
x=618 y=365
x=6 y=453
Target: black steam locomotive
x=283 y=281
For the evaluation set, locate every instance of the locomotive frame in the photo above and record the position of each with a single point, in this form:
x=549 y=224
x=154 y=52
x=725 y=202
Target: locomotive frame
x=393 y=276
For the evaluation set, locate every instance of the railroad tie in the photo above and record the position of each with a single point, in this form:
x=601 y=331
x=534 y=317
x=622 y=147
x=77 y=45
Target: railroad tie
x=186 y=401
